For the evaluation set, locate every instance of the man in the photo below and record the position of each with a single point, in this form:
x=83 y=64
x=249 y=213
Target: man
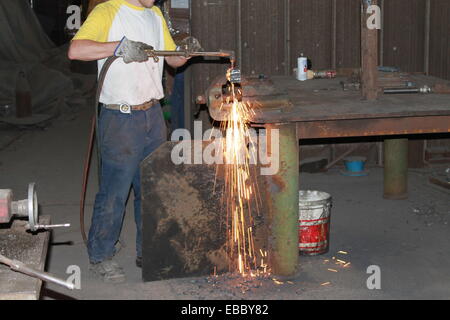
x=131 y=124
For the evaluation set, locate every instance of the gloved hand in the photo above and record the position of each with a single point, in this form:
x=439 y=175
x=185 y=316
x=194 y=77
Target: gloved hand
x=132 y=51
x=190 y=45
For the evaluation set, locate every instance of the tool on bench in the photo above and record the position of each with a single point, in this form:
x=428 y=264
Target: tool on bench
x=23 y=208
x=424 y=89
x=26 y=208
x=391 y=81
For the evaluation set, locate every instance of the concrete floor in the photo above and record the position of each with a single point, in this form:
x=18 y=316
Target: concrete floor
x=409 y=240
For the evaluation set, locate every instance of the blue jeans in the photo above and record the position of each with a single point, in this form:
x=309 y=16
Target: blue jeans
x=125 y=140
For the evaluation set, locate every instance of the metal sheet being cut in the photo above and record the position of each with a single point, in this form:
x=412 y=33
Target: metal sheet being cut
x=185 y=218
x=258 y=91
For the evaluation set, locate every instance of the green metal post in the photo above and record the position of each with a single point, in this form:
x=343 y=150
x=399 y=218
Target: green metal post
x=282 y=194
x=396 y=169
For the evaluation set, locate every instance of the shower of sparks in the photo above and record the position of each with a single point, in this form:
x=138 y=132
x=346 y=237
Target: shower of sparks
x=240 y=188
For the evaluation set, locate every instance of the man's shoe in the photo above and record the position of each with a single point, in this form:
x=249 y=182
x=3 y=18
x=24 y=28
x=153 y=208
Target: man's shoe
x=109 y=271
x=139 y=262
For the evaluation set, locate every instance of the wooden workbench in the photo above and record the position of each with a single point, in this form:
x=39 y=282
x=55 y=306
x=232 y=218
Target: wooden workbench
x=322 y=109
x=31 y=249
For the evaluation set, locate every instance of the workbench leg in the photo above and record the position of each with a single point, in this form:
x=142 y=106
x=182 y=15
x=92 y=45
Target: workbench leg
x=396 y=169
x=282 y=194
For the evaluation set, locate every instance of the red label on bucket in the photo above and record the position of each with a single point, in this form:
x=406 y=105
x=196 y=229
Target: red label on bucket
x=314 y=238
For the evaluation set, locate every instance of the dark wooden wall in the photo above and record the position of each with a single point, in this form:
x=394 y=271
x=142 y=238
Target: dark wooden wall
x=440 y=38
x=404 y=34
x=268 y=35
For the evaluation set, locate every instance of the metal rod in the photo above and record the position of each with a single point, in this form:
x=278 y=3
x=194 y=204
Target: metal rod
x=401 y=90
x=222 y=53
x=424 y=89
x=22 y=268
x=282 y=192
x=52 y=226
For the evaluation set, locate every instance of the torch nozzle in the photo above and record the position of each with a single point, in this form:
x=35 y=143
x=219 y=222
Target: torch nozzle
x=234 y=75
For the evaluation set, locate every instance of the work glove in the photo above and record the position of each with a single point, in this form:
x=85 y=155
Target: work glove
x=189 y=45
x=132 y=51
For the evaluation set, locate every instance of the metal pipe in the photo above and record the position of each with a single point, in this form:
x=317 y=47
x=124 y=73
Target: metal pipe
x=22 y=268
x=221 y=53
x=282 y=192
x=424 y=89
x=396 y=169
x=51 y=226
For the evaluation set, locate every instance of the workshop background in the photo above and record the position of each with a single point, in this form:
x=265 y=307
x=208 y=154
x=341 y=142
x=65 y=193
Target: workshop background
x=268 y=37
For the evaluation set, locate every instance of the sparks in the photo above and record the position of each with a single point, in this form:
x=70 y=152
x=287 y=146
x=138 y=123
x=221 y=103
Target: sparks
x=240 y=188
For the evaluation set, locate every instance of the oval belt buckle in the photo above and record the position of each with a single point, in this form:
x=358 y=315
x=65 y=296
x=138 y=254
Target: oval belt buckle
x=125 y=108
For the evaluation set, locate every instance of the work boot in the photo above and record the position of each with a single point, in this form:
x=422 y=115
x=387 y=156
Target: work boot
x=109 y=271
x=139 y=262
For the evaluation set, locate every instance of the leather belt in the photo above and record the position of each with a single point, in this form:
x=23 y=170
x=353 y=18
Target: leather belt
x=127 y=108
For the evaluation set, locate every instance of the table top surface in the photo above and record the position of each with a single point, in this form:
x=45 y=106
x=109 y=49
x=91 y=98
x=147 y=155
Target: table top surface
x=18 y=244
x=325 y=99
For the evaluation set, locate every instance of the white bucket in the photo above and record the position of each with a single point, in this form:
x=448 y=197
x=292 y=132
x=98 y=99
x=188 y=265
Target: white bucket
x=314 y=222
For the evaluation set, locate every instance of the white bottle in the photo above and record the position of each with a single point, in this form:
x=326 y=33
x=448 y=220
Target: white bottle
x=302 y=68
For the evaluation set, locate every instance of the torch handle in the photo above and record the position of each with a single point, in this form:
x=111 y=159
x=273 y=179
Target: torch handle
x=190 y=54
x=155 y=54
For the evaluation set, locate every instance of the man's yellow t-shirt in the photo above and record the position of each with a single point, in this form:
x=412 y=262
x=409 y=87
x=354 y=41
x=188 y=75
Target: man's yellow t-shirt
x=133 y=83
